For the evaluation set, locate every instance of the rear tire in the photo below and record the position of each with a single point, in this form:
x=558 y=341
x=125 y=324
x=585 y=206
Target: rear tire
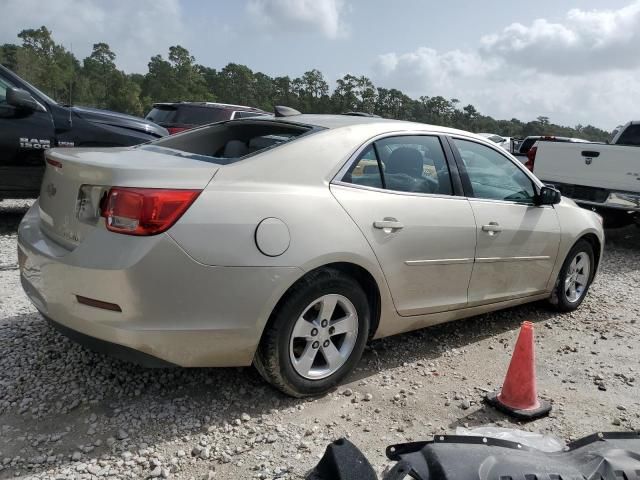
x=316 y=336
x=575 y=278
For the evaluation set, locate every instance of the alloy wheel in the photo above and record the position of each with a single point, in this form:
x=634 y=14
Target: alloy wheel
x=577 y=277
x=323 y=337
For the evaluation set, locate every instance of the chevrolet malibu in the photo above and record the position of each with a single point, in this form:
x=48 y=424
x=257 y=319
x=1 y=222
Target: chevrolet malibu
x=287 y=242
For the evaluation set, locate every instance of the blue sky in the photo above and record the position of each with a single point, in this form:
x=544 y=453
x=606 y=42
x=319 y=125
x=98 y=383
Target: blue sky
x=574 y=61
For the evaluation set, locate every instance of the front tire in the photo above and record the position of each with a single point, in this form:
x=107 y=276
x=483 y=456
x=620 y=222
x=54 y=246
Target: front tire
x=316 y=336
x=574 y=278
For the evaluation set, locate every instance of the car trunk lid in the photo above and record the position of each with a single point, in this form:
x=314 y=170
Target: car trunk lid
x=76 y=180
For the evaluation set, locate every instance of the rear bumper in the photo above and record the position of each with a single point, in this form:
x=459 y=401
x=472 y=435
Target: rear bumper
x=108 y=348
x=600 y=197
x=173 y=308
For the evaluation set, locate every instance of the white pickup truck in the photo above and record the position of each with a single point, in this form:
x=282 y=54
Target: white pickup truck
x=604 y=177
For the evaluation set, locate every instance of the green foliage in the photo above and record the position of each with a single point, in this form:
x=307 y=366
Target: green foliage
x=97 y=82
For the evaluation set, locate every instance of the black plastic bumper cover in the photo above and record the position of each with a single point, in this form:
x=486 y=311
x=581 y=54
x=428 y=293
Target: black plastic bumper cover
x=114 y=350
x=601 y=456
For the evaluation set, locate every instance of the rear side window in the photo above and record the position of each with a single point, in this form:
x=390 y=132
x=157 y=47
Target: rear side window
x=162 y=114
x=202 y=115
x=366 y=170
x=228 y=142
x=631 y=136
x=414 y=163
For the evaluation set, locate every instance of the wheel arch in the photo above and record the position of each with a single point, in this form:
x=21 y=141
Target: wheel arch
x=359 y=273
x=596 y=244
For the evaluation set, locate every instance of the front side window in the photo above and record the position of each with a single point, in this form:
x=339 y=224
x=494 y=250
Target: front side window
x=412 y=163
x=492 y=175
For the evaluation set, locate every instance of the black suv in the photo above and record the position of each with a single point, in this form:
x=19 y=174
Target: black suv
x=180 y=116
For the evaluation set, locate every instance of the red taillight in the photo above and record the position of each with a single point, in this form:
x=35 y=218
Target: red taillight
x=54 y=163
x=145 y=211
x=173 y=130
x=531 y=155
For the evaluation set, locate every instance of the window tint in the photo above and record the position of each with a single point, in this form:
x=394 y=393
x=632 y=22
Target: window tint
x=365 y=170
x=494 y=176
x=3 y=91
x=187 y=114
x=631 y=136
x=162 y=114
x=527 y=143
x=202 y=115
x=243 y=114
x=414 y=164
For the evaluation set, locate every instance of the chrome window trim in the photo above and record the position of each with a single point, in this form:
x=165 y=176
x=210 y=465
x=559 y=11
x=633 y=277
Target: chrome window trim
x=507 y=202
x=511 y=259
x=340 y=183
x=337 y=178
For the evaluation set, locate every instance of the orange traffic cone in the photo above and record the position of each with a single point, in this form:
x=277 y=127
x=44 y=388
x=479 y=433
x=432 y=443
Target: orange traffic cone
x=519 y=396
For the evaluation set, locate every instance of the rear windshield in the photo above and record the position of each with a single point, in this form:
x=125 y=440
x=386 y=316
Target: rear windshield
x=228 y=142
x=187 y=114
x=630 y=136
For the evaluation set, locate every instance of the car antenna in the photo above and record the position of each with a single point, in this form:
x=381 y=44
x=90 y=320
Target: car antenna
x=282 y=111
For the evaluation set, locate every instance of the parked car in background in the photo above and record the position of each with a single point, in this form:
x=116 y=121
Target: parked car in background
x=31 y=122
x=288 y=242
x=179 y=116
x=599 y=176
x=502 y=142
x=528 y=142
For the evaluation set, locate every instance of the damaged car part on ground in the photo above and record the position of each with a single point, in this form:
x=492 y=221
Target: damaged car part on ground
x=288 y=242
x=601 y=456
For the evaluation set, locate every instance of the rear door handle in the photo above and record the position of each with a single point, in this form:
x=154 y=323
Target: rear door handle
x=388 y=224
x=491 y=228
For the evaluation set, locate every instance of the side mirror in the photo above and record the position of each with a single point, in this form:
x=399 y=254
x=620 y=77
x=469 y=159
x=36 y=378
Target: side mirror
x=22 y=100
x=549 y=196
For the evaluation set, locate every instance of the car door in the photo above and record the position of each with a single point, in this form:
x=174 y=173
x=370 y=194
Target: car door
x=24 y=134
x=399 y=192
x=517 y=240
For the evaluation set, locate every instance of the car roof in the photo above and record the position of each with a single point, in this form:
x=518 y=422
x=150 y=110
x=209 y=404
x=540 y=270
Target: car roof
x=343 y=121
x=229 y=106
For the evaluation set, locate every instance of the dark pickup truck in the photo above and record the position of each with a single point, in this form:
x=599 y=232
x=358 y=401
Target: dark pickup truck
x=31 y=122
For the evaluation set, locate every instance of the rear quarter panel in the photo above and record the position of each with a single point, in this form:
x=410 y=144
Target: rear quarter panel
x=290 y=183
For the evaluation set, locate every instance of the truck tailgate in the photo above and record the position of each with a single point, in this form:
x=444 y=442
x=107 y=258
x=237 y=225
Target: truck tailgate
x=611 y=167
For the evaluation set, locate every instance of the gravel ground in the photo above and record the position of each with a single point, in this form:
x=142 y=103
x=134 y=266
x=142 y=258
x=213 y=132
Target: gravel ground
x=68 y=413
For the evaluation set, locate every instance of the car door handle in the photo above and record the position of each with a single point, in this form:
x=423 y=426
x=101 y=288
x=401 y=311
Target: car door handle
x=492 y=228
x=388 y=224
